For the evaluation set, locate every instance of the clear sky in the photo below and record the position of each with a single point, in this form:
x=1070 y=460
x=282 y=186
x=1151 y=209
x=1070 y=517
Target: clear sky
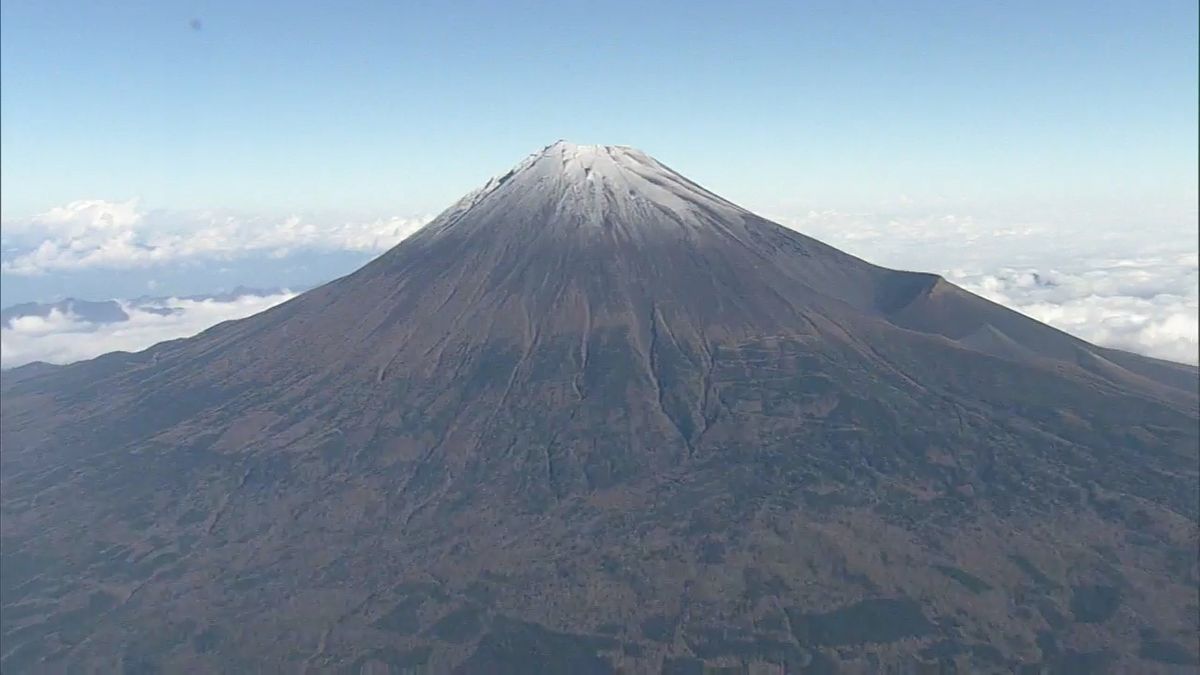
x=399 y=107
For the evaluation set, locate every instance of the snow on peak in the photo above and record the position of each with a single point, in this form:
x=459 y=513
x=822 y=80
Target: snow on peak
x=580 y=161
x=569 y=150
x=595 y=184
x=600 y=179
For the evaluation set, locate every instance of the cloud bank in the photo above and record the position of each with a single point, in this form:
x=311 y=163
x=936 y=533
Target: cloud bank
x=98 y=234
x=64 y=337
x=1146 y=306
x=1133 y=288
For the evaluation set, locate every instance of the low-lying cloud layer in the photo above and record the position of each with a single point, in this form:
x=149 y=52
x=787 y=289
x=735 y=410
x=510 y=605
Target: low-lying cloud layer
x=1134 y=288
x=98 y=234
x=64 y=337
x=1147 y=306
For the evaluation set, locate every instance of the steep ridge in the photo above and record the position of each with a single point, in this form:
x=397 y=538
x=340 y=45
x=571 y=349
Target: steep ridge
x=594 y=417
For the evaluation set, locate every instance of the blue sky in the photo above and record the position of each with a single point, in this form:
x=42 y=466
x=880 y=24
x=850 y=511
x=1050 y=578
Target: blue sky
x=391 y=107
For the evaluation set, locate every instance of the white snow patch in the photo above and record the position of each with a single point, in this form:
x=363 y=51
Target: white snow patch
x=594 y=184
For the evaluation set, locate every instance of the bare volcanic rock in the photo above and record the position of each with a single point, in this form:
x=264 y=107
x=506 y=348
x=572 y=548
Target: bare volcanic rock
x=593 y=419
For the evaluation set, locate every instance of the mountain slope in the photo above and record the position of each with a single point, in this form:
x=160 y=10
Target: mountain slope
x=594 y=417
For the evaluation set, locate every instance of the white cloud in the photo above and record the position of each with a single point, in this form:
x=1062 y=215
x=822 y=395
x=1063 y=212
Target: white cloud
x=1133 y=288
x=97 y=234
x=64 y=337
x=82 y=216
x=1142 y=306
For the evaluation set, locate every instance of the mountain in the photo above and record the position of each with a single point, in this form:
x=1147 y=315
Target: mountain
x=112 y=311
x=98 y=312
x=595 y=418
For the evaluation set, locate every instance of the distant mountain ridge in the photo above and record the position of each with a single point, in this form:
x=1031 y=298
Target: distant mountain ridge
x=595 y=418
x=111 y=311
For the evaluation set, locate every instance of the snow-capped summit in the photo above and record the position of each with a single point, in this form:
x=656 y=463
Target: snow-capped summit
x=595 y=184
x=580 y=161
